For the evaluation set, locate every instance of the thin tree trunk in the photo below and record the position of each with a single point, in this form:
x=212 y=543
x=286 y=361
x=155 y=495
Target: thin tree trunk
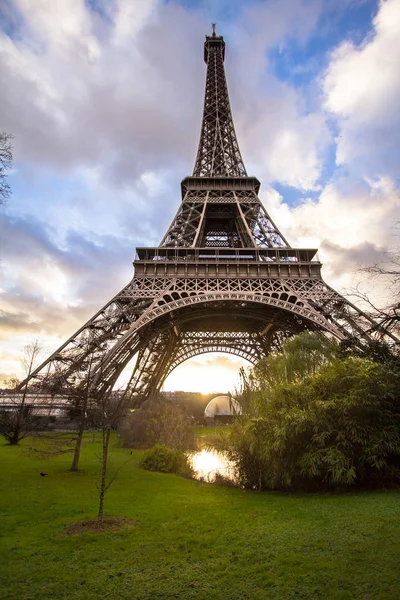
x=106 y=441
x=18 y=425
x=17 y=431
x=32 y=351
x=15 y=438
x=78 y=445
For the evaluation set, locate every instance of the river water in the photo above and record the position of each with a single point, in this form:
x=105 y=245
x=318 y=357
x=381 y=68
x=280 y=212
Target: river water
x=208 y=464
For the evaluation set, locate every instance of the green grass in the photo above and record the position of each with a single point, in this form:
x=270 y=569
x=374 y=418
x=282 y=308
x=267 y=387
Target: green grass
x=190 y=540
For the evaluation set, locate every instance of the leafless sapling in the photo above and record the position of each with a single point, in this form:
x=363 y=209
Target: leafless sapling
x=110 y=408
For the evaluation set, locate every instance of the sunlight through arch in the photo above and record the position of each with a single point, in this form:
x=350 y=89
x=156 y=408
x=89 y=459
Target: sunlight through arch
x=207 y=373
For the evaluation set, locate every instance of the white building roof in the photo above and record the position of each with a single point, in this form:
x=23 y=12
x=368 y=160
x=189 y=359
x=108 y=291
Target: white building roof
x=222 y=405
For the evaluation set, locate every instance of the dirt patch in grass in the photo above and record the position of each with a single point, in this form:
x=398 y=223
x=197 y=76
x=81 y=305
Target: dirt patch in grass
x=96 y=526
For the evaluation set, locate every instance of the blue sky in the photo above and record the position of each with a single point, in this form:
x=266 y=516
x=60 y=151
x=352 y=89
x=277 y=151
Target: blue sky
x=104 y=99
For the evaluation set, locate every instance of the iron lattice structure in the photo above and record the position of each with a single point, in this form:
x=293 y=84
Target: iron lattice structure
x=223 y=279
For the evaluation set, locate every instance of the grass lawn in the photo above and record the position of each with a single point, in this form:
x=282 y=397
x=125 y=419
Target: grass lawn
x=190 y=539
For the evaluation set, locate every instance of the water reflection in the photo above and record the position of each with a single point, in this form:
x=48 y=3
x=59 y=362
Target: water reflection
x=208 y=465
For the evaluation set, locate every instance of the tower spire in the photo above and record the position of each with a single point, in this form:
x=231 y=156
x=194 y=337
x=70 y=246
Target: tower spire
x=218 y=154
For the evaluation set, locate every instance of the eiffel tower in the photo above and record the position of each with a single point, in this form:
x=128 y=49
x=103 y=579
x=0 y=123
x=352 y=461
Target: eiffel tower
x=223 y=279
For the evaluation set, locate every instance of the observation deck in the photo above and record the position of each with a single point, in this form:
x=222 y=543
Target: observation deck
x=226 y=262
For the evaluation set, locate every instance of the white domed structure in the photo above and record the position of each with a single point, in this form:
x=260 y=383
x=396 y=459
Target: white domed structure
x=222 y=408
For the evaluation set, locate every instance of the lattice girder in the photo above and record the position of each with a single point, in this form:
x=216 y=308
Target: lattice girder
x=249 y=346
x=68 y=366
x=239 y=212
x=191 y=333
x=149 y=376
x=110 y=340
x=148 y=372
x=218 y=152
x=164 y=306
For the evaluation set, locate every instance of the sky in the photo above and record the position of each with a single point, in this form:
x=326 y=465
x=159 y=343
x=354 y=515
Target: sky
x=104 y=99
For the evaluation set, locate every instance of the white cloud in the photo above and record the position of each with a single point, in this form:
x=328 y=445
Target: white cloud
x=121 y=93
x=53 y=285
x=131 y=18
x=362 y=89
x=350 y=224
x=285 y=146
x=281 y=140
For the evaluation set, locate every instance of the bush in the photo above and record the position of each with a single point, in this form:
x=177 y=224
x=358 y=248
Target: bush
x=337 y=428
x=165 y=460
x=159 y=421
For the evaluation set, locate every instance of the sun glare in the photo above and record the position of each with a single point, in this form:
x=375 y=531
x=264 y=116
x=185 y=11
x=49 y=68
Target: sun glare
x=206 y=374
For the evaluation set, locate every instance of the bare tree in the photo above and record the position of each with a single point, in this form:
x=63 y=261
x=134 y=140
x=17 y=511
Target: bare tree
x=98 y=407
x=80 y=400
x=84 y=404
x=5 y=164
x=388 y=272
x=17 y=418
x=388 y=317
x=107 y=413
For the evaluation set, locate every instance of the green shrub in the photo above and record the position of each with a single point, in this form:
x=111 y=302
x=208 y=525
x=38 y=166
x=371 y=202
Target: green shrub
x=165 y=460
x=337 y=428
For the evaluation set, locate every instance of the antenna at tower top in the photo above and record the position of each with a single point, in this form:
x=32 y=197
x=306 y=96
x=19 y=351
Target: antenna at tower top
x=213 y=25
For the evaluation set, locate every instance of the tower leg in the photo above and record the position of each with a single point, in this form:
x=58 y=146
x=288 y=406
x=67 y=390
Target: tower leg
x=151 y=366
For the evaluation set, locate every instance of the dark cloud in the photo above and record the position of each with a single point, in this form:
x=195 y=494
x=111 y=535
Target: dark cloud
x=353 y=258
x=16 y=322
x=60 y=282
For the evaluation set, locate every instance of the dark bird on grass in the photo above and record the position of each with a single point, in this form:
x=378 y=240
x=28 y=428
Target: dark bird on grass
x=43 y=474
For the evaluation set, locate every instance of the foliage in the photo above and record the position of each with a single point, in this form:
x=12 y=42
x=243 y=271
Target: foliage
x=338 y=427
x=190 y=540
x=159 y=421
x=165 y=460
x=299 y=356
x=5 y=164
